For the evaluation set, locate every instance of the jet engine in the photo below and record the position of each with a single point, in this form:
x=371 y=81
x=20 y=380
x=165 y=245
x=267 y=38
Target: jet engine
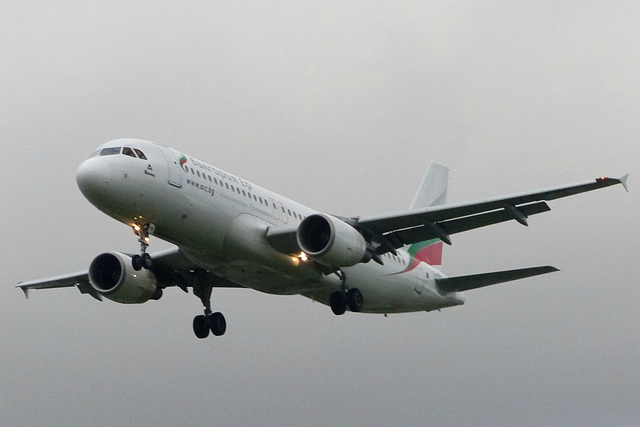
x=113 y=276
x=332 y=242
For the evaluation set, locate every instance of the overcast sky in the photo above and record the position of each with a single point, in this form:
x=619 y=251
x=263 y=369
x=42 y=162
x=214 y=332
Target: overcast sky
x=341 y=106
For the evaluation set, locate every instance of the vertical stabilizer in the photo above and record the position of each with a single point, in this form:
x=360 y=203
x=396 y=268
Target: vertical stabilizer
x=432 y=192
x=433 y=189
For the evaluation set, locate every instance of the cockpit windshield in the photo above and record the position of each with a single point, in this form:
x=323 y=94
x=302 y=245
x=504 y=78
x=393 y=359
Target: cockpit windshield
x=110 y=151
x=126 y=151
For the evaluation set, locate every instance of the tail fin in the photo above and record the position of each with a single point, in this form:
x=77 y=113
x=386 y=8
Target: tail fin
x=432 y=192
x=433 y=189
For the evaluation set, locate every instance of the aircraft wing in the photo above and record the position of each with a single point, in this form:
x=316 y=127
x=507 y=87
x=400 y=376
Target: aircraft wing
x=392 y=231
x=475 y=281
x=80 y=280
x=170 y=267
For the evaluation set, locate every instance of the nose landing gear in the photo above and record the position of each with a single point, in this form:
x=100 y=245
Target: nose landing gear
x=144 y=259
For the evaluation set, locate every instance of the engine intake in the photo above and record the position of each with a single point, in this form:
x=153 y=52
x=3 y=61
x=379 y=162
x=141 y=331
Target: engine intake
x=332 y=242
x=112 y=275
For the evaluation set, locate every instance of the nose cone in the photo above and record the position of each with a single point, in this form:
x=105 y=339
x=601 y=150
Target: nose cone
x=93 y=176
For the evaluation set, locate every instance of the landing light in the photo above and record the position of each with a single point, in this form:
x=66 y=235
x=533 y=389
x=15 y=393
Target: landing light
x=302 y=257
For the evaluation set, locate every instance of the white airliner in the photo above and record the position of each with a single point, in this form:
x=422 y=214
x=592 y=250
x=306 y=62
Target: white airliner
x=229 y=232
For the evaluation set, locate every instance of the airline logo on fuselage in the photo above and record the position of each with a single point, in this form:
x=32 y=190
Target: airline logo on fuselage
x=183 y=163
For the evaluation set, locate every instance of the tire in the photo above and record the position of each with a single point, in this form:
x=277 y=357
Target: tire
x=338 y=303
x=218 y=324
x=355 y=300
x=201 y=326
x=146 y=261
x=136 y=262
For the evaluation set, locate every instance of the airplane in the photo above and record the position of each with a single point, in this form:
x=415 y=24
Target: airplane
x=230 y=232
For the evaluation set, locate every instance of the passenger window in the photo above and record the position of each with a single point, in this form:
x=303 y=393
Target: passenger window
x=140 y=154
x=128 y=152
x=110 y=151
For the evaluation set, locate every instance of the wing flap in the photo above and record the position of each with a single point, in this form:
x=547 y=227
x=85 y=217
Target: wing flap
x=423 y=233
x=475 y=281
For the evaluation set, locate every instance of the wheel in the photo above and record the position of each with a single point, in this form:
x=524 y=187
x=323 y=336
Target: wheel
x=355 y=300
x=338 y=303
x=217 y=323
x=201 y=326
x=136 y=261
x=146 y=261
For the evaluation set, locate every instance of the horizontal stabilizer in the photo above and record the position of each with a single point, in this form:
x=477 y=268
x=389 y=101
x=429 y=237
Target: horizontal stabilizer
x=465 y=283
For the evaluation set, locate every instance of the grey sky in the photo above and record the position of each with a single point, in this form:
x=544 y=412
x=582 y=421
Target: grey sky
x=341 y=107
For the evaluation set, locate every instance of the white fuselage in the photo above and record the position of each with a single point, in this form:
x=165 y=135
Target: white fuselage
x=220 y=222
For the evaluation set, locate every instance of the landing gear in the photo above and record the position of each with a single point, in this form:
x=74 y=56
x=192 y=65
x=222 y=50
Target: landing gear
x=215 y=323
x=355 y=300
x=141 y=261
x=209 y=321
x=338 y=303
x=200 y=326
x=340 y=300
x=144 y=259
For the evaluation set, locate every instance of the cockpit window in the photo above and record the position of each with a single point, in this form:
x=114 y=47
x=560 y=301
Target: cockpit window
x=110 y=151
x=128 y=152
x=140 y=154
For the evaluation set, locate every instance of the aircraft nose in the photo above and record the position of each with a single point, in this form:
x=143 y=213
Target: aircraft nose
x=92 y=176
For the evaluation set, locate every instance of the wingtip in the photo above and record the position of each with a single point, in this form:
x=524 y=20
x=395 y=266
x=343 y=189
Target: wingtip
x=623 y=181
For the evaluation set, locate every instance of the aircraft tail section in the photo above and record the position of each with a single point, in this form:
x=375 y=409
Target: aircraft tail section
x=432 y=192
x=433 y=189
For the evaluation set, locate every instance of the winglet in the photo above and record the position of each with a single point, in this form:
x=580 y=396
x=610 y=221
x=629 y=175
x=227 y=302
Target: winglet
x=26 y=292
x=623 y=181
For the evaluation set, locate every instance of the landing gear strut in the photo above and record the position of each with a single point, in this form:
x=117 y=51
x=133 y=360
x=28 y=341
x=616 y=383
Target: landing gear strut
x=340 y=300
x=209 y=321
x=144 y=259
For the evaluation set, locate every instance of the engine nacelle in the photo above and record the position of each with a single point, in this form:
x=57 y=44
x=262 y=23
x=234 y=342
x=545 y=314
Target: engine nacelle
x=113 y=276
x=330 y=241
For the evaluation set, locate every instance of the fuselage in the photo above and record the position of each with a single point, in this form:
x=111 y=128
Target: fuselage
x=220 y=222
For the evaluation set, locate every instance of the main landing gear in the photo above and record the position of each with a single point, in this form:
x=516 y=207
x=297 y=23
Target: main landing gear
x=340 y=300
x=144 y=259
x=209 y=321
